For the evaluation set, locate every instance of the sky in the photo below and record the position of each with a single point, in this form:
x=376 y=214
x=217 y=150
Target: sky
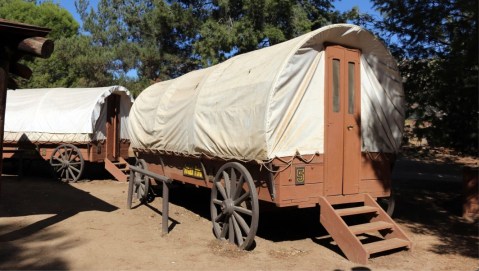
x=341 y=5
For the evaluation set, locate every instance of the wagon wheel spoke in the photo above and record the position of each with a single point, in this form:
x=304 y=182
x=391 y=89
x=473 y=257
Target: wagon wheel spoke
x=243 y=210
x=234 y=205
x=238 y=188
x=66 y=153
x=232 y=183
x=224 y=230
x=243 y=197
x=221 y=189
x=69 y=154
x=140 y=192
x=75 y=169
x=56 y=159
x=61 y=153
x=241 y=221
x=63 y=156
x=231 y=231
x=227 y=187
x=239 y=235
x=71 y=172
x=219 y=217
x=67 y=175
x=62 y=173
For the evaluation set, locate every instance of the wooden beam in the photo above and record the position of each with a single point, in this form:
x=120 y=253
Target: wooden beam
x=21 y=70
x=37 y=46
x=12 y=28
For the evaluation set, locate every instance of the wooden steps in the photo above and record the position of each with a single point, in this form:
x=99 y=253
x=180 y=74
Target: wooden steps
x=355 y=210
x=370 y=227
x=384 y=245
x=119 y=169
x=385 y=233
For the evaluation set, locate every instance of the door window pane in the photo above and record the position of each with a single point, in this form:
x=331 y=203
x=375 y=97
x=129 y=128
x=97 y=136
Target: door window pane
x=336 y=97
x=351 y=87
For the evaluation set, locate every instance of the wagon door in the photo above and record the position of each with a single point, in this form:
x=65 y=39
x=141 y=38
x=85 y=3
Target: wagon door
x=113 y=127
x=343 y=118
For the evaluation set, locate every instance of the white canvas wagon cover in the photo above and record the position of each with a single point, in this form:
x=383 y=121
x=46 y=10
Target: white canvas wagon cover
x=62 y=114
x=270 y=102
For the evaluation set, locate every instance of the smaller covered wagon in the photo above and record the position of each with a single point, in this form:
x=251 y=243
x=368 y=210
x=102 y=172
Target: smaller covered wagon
x=316 y=120
x=69 y=126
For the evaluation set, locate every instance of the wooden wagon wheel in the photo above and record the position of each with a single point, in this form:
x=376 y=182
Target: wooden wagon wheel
x=234 y=205
x=67 y=162
x=140 y=185
x=388 y=204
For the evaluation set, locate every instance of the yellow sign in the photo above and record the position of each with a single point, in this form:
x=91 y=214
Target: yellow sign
x=193 y=171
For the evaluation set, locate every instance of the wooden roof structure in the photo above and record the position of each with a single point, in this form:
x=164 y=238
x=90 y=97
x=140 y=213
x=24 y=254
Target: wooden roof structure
x=16 y=41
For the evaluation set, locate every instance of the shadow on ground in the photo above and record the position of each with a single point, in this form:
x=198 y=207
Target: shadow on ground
x=46 y=202
x=41 y=168
x=429 y=199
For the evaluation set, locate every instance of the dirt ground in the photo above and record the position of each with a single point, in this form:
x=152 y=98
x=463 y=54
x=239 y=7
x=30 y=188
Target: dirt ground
x=45 y=224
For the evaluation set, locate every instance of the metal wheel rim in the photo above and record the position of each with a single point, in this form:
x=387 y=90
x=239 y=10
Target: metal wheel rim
x=141 y=184
x=67 y=162
x=234 y=212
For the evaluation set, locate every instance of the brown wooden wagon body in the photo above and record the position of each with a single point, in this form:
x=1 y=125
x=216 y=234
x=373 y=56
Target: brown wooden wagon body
x=67 y=147
x=313 y=121
x=286 y=181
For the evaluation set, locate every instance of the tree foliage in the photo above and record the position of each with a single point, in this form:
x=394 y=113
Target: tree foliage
x=437 y=45
x=47 y=14
x=164 y=39
x=158 y=39
x=241 y=26
x=75 y=62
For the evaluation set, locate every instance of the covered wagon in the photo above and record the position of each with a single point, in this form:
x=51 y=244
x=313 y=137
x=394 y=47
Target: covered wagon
x=316 y=120
x=68 y=126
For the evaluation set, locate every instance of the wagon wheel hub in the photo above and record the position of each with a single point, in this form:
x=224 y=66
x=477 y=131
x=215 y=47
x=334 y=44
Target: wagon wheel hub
x=227 y=207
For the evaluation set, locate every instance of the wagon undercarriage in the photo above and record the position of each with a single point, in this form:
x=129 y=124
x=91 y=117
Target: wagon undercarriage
x=237 y=187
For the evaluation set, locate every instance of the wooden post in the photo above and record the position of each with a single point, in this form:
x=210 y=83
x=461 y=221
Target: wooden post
x=3 y=102
x=471 y=193
x=16 y=40
x=21 y=70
